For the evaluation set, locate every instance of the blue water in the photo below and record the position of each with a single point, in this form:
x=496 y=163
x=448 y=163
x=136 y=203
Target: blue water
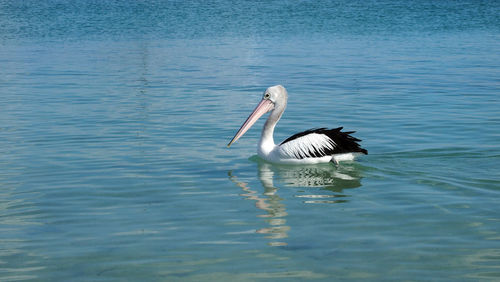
x=115 y=115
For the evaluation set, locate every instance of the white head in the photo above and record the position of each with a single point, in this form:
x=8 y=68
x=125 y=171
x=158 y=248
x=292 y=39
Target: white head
x=274 y=99
x=277 y=95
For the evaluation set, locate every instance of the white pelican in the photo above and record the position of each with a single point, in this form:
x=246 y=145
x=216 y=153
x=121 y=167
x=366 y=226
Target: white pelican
x=312 y=146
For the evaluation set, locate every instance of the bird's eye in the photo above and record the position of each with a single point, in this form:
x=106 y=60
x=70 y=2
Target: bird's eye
x=267 y=96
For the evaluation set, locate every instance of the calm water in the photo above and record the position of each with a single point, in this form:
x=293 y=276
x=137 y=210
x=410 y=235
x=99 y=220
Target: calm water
x=114 y=116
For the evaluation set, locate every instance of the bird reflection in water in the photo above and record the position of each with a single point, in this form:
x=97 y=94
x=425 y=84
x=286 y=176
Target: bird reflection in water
x=329 y=181
x=271 y=203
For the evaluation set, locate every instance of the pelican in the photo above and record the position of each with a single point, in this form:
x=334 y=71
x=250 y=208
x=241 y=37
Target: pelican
x=319 y=145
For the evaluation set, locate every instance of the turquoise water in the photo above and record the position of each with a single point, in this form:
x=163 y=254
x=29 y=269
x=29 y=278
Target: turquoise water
x=115 y=115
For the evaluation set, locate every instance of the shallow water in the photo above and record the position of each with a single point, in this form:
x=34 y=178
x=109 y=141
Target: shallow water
x=115 y=116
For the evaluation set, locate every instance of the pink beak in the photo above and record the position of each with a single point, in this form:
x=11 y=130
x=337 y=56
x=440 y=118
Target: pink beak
x=263 y=107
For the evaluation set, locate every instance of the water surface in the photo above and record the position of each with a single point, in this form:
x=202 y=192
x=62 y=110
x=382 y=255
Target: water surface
x=114 y=118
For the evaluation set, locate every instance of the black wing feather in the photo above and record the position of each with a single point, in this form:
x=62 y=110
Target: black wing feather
x=344 y=142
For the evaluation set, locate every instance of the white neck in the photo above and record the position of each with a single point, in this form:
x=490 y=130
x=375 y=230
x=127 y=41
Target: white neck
x=266 y=143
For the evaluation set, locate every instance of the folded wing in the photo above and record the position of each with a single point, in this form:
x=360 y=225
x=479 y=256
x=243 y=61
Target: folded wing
x=320 y=142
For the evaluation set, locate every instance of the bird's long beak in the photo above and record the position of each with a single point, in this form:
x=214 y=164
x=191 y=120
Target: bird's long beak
x=263 y=107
